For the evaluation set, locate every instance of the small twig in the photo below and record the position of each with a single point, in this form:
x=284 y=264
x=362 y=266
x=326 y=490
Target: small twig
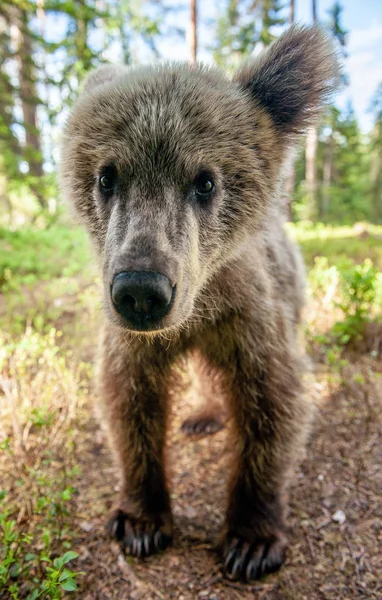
x=309 y=542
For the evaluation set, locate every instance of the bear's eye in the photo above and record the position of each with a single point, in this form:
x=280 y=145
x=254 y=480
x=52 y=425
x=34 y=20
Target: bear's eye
x=108 y=179
x=204 y=185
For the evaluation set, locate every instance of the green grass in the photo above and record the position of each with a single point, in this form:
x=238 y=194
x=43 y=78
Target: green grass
x=31 y=255
x=45 y=276
x=341 y=245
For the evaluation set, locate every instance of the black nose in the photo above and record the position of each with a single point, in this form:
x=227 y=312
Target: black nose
x=142 y=298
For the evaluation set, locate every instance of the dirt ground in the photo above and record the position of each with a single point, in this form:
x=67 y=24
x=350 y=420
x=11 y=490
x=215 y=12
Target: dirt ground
x=335 y=500
x=335 y=509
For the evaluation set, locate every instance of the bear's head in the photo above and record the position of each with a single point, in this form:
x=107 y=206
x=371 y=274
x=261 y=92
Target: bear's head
x=171 y=168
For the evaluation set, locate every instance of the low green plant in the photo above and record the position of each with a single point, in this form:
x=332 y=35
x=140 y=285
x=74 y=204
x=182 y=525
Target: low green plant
x=45 y=389
x=323 y=277
x=358 y=291
x=23 y=572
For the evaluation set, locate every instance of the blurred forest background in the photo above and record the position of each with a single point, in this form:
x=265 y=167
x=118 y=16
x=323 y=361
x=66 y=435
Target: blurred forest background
x=47 y=47
x=57 y=480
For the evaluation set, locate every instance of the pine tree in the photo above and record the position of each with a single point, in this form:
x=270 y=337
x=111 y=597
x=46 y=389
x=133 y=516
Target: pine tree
x=18 y=57
x=345 y=197
x=39 y=78
x=335 y=14
x=350 y=184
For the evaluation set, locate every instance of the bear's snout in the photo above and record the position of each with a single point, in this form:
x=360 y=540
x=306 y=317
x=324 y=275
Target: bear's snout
x=142 y=298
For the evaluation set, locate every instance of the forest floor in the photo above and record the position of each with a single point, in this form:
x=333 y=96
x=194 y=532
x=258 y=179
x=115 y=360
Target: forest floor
x=58 y=481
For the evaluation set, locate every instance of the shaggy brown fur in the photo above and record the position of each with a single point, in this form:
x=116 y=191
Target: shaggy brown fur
x=237 y=280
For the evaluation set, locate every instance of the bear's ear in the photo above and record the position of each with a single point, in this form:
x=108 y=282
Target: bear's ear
x=293 y=78
x=101 y=76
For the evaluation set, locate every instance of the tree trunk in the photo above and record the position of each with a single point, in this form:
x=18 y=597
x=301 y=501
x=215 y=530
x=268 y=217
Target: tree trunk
x=290 y=179
x=292 y=12
x=193 y=32
x=311 y=171
x=327 y=176
x=376 y=176
x=376 y=190
x=311 y=156
x=29 y=101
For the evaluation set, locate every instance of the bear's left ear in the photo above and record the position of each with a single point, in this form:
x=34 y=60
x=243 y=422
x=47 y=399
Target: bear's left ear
x=102 y=75
x=293 y=78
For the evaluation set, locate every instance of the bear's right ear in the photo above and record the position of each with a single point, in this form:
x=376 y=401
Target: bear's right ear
x=293 y=78
x=101 y=76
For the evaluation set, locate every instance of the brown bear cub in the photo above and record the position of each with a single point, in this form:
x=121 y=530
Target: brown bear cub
x=176 y=173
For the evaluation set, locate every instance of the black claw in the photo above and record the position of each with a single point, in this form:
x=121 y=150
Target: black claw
x=250 y=572
x=116 y=526
x=136 y=538
x=250 y=562
x=112 y=528
x=230 y=558
x=146 y=543
x=256 y=561
x=239 y=567
x=263 y=567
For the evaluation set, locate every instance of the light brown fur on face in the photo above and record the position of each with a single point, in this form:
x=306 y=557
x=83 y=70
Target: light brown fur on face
x=235 y=280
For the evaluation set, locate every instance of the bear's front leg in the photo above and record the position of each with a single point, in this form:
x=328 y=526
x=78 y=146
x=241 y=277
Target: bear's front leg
x=271 y=418
x=133 y=381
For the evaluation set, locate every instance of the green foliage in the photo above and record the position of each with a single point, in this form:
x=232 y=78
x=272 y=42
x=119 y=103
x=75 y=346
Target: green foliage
x=335 y=14
x=243 y=25
x=343 y=172
x=343 y=281
x=359 y=290
x=47 y=578
x=348 y=163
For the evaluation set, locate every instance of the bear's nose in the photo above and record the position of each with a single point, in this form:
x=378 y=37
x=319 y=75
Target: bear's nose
x=142 y=298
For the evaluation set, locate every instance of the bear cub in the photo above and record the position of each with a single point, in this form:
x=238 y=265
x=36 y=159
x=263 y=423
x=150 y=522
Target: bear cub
x=176 y=173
